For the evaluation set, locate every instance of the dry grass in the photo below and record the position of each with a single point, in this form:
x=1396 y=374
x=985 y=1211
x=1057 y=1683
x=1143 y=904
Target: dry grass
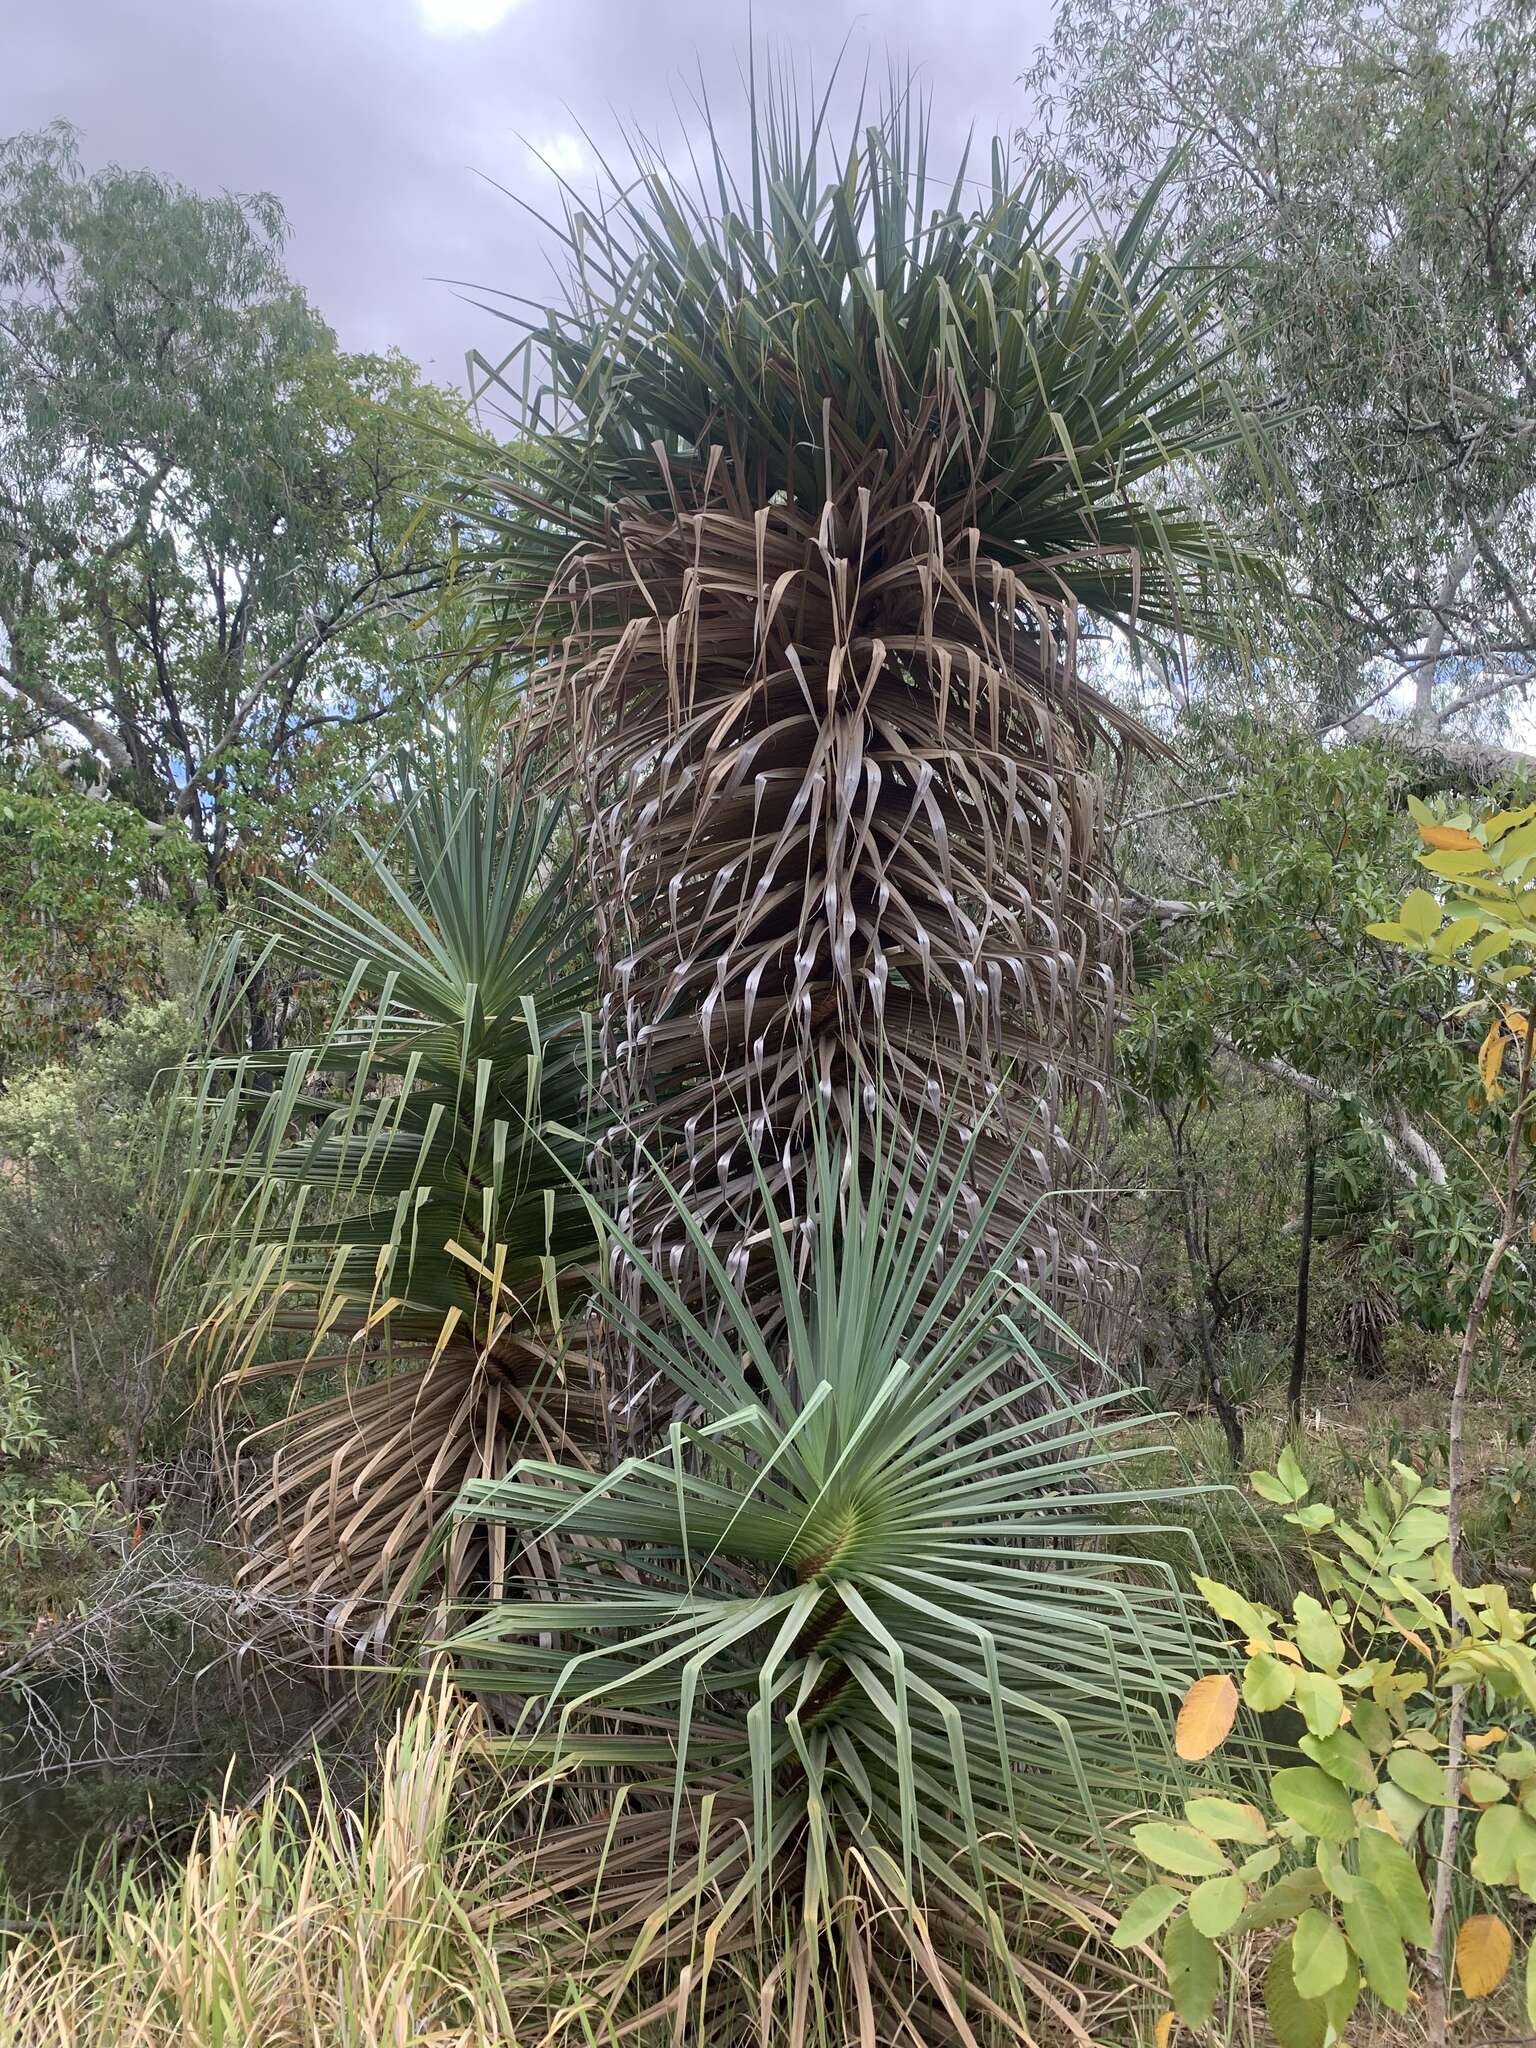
x=292 y=1923
x=305 y=1923
x=309 y=1924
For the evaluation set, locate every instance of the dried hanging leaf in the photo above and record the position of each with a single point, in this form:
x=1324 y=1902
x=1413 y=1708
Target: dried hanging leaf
x=841 y=829
x=1483 y=1951
x=1206 y=1717
x=1490 y=1057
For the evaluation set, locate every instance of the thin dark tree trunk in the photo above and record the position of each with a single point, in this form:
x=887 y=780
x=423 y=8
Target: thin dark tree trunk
x=1224 y=1407
x=1303 y=1271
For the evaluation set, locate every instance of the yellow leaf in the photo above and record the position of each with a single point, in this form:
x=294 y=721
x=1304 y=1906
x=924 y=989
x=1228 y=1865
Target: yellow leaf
x=1449 y=839
x=1408 y=1635
x=1206 y=1717
x=1163 y=2032
x=1490 y=1057
x=1478 y=1743
x=1483 y=1950
x=1289 y=1651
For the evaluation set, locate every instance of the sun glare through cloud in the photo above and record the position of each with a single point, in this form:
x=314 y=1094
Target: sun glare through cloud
x=563 y=155
x=464 y=17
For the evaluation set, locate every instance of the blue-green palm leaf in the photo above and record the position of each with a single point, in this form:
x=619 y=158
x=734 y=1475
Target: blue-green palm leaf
x=856 y=1602
x=394 y=1201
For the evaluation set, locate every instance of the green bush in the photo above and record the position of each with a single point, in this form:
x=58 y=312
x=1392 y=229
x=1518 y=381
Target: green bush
x=83 y=1219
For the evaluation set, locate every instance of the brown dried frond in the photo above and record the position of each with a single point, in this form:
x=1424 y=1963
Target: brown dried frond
x=844 y=835
x=342 y=1502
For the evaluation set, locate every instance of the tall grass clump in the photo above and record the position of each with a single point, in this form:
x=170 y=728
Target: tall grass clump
x=297 y=1922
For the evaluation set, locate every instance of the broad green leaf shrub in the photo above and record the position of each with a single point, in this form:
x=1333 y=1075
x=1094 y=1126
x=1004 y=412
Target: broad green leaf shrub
x=1339 y=1853
x=1485 y=920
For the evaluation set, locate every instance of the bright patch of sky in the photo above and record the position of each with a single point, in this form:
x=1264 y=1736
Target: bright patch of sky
x=563 y=155
x=395 y=132
x=464 y=17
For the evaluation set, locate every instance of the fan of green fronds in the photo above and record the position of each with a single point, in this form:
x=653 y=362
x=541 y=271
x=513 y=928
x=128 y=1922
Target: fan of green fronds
x=859 y=1646
x=388 y=1204
x=820 y=473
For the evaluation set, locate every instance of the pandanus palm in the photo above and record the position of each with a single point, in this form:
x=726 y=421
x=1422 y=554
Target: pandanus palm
x=830 y=1686
x=820 y=479
x=385 y=1207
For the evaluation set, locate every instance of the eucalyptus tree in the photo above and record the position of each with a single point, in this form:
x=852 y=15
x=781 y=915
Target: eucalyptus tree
x=1362 y=182
x=215 y=538
x=822 y=470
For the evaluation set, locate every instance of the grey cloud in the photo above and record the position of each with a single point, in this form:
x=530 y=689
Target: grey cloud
x=379 y=136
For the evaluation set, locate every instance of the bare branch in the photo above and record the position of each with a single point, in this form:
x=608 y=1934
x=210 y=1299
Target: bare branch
x=1467 y=763
x=67 y=712
x=300 y=651
x=1407 y=1149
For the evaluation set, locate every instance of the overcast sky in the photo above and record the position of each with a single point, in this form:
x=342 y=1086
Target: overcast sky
x=378 y=122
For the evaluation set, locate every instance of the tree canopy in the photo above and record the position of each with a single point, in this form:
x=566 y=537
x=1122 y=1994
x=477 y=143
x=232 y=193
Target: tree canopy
x=217 y=530
x=1361 y=185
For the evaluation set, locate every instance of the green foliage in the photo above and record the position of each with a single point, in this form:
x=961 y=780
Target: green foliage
x=89 y=924
x=57 y=1525
x=1369 y=1664
x=375 y=1175
x=1278 y=961
x=1240 y=1156
x=1364 y=182
x=22 y=1431
x=83 y=1221
x=1279 y=971
x=396 y=1202
x=215 y=529
x=32 y=1520
x=1486 y=869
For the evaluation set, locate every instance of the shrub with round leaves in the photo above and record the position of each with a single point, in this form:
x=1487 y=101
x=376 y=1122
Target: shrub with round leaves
x=1341 y=1855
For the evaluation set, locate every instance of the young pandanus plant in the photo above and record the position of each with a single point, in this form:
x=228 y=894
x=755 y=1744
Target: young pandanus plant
x=864 y=1641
